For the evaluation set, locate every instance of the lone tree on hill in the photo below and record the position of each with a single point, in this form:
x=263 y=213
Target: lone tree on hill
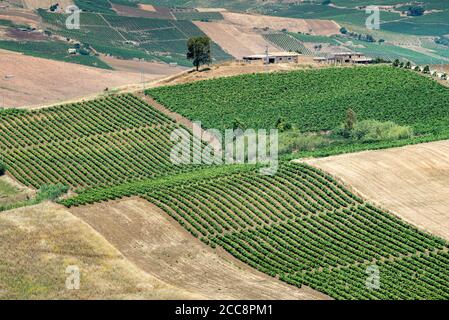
x=198 y=50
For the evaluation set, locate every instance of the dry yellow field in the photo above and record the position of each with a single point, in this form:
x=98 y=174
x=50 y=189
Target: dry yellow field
x=38 y=243
x=158 y=245
x=412 y=182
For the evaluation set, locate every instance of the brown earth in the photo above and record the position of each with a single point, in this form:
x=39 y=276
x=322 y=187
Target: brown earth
x=38 y=82
x=36 y=4
x=318 y=27
x=160 y=246
x=238 y=41
x=38 y=243
x=412 y=181
x=140 y=12
x=24 y=35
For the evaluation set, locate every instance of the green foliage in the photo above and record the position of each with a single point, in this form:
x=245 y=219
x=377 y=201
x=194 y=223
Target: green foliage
x=283 y=125
x=89 y=144
x=51 y=192
x=303 y=226
x=426 y=70
x=350 y=120
x=198 y=50
x=3 y=167
x=372 y=130
x=52 y=50
x=316 y=100
x=294 y=141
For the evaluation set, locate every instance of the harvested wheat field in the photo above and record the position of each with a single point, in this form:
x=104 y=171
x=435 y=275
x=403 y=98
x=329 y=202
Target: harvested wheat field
x=318 y=27
x=236 y=40
x=160 y=246
x=32 y=82
x=38 y=243
x=412 y=181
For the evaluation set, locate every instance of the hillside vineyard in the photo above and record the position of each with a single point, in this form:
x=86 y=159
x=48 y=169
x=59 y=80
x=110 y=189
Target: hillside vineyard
x=299 y=225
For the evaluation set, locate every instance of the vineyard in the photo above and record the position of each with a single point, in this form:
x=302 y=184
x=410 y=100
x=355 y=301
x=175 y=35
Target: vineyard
x=315 y=100
x=304 y=227
x=287 y=43
x=133 y=37
x=101 y=142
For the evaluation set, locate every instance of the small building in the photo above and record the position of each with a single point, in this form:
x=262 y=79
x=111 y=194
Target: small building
x=274 y=57
x=71 y=51
x=345 y=58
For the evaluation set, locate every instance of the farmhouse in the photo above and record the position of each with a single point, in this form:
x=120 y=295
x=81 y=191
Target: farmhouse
x=275 y=57
x=344 y=57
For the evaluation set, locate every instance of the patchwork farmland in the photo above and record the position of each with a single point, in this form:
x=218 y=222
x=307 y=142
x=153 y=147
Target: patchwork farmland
x=94 y=205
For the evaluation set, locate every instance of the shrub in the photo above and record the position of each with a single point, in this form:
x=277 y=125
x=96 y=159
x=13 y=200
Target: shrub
x=372 y=130
x=3 y=168
x=295 y=141
x=51 y=192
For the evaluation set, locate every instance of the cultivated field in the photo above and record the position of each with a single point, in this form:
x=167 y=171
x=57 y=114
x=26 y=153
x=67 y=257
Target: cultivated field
x=412 y=182
x=148 y=237
x=37 y=81
x=319 y=27
x=236 y=40
x=38 y=243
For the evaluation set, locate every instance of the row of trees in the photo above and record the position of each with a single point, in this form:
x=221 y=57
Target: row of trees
x=425 y=69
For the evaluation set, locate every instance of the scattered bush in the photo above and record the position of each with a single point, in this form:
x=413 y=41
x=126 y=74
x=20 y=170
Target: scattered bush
x=3 y=168
x=295 y=141
x=373 y=130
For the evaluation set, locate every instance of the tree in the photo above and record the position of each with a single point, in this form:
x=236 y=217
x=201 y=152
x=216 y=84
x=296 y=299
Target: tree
x=408 y=65
x=415 y=11
x=417 y=68
x=198 y=50
x=351 y=120
x=343 y=30
x=426 y=70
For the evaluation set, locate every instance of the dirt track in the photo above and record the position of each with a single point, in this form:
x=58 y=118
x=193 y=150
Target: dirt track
x=38 y=243
x=412 y=182
x=158 y=245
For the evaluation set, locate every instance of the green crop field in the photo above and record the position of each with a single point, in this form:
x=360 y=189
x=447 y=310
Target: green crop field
x=133 y=37
x=315 y=100
x=287 y=43
x=101 y=142
x=302 y=226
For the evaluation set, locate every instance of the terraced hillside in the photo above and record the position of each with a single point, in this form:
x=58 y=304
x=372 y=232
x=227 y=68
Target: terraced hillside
x=299 y=225
x=304 y=227
x=100 y=142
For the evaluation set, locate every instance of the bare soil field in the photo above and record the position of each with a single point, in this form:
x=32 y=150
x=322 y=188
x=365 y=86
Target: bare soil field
x=318 y=27
x=160 y=246
x=36 y=4
x=141 y=12
x=36 y=82
x=233 y=68
x=236 y=40
x=412 y=181
x=38 y=243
